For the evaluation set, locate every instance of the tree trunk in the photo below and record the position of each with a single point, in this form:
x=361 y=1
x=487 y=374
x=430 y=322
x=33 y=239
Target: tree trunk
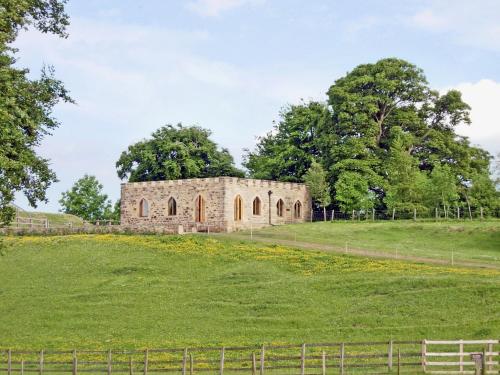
x=324 y=213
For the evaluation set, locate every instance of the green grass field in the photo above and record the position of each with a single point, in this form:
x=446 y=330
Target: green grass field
x=477 y=241
x=124 y=291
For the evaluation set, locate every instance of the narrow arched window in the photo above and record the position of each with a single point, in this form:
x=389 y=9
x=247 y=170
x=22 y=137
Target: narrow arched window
x=172 y=207
x=143 y=208
x=280 y=207
x=199 y=209
x=297 y=210
x=238 y=208
x=256 y=206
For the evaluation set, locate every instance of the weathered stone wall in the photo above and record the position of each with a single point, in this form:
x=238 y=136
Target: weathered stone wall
x=157 y=193
x=248 y=189
x=219 y=194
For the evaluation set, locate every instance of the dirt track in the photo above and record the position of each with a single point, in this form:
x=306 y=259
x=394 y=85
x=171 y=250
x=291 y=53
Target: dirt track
x=361 y=252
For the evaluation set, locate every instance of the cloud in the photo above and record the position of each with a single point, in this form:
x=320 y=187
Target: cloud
x=428 y=19
x=466 y=22
x=483 y=96
x=212 y=8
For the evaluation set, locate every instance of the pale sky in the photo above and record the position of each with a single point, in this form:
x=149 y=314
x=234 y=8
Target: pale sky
x=230 y=65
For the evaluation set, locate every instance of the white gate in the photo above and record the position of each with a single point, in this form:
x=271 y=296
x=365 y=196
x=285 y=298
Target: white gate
x=460 y=357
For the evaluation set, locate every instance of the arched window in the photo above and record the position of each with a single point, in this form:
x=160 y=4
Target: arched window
x=280 y=207
x=256 y=206
x=143 y=208
x=199 y=209
x=172 y=207
x=238 y=208
x=297 y=210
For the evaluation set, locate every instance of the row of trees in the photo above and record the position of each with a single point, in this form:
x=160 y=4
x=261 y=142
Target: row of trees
x=384 y=140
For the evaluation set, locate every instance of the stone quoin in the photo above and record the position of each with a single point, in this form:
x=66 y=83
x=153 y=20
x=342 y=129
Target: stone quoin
x=216 y=204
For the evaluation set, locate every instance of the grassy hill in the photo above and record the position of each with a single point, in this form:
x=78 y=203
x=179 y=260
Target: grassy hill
x=148 y=291
x=470 y=242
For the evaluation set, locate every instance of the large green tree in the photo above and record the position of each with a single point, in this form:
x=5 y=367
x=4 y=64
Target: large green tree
x=26 y=105
x=287 y=152
x=86 y=200
x=175 y=152
x=355 y=139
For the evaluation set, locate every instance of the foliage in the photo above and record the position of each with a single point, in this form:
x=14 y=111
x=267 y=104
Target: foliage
x=176 y=152
x=441 y=189
x=352 y=192
x=406 y=186
x=379 y=139
x=287 y=152
x=315 y=179
x=233 y=292
x=26 y=105
x=86 y=200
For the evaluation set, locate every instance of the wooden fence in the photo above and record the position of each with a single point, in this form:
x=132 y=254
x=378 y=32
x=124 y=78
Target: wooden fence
x=460 y=357
x=306 y=359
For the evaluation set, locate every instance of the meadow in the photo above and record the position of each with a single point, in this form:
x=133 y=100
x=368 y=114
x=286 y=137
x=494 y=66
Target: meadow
x=467 y=241
x=131 y=291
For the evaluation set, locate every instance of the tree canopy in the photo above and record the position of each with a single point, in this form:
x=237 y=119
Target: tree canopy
x=86 y=200
x=26 y=105
x=287 y=152
x=175 y=152
x=380 y=136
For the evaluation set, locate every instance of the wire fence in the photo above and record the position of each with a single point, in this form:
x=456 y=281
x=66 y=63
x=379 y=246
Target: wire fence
x=456 y=213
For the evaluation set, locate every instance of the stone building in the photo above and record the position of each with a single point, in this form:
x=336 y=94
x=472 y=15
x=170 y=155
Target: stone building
x=215 y=204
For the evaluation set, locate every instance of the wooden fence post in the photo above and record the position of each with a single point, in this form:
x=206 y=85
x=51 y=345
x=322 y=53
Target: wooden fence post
x=461 y=350
x=414 y=214
x=41 y=362
x=254 y=365
x=130 y=367
x=9 y=362
x=303 y=360
x=490 y=357
x=436 y=213
x=262 y=353
x=389 y=356
x=342 y=353
x=75 y=363
x=481 y=213
x=323 y=363
x=191 y=364
x=109 y=361
x=22 y=366
x=222 y=361
x=483 y=367
x=458 y=212
x=184 y=360
x=399 y=361
x=333 y=215
x=146 y=359
x=352 y=214
x=393 y=213
x=373 y=214
x=424 y=350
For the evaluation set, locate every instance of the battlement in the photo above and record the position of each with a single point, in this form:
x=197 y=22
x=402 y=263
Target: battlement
x=248 y=182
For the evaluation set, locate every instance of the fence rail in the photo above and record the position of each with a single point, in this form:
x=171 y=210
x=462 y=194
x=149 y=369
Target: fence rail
x=437 y=214
x=460 y=357
x=409 y=357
